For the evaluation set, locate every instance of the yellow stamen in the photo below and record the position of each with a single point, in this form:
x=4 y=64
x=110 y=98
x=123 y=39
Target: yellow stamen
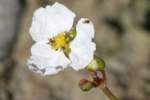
x=59 y=42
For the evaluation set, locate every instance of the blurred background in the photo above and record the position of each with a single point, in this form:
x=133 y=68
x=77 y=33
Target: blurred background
x=122 y=38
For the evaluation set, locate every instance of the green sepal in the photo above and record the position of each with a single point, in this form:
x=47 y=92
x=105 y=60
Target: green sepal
x=71 y=35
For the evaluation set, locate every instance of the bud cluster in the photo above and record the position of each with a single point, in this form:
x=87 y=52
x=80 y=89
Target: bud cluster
x=96 y=71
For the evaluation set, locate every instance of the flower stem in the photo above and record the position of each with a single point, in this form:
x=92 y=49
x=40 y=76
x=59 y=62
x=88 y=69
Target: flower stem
x=109 y=94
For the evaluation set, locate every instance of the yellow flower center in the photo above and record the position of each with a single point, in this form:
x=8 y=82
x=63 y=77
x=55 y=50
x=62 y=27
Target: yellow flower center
x=60 y=42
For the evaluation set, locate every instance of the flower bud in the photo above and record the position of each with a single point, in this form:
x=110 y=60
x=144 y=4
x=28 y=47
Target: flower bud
x=97 y=64
x=85 y=85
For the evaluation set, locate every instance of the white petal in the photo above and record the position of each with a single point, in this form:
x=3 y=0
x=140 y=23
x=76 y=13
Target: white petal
x=43 y=49
x=56 y=58
x=82 y=47
x=45 y=58
x=48 y=22
x=85 y=30
x=40 y=65
x=38 y=26
x=81 y=54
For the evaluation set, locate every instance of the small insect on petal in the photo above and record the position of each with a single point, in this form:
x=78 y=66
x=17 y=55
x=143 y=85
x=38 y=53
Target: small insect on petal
x=87 y=21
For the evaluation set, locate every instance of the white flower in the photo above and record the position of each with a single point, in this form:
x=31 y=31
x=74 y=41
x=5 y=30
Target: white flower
x=52 y=24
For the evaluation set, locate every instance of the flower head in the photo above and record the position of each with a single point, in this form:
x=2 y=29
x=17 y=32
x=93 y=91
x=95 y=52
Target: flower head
x=57 y=46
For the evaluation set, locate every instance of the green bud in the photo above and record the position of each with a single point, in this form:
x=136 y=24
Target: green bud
x=85 y=85
x=96 y=64
x=101 y=63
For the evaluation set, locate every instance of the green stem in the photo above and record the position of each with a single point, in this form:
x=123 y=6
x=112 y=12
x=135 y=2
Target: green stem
x=109 y=94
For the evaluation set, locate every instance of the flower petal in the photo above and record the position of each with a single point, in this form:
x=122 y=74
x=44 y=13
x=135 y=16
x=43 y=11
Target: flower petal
x=50 y=21
x=82 y=47
x=43 y=49
x=37 y=29
x=85 y=30
x=56 y=58
x=45 y=58
x=81 y=54
x=40 y=65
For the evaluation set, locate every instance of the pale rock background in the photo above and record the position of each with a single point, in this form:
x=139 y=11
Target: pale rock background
x=122 y=38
